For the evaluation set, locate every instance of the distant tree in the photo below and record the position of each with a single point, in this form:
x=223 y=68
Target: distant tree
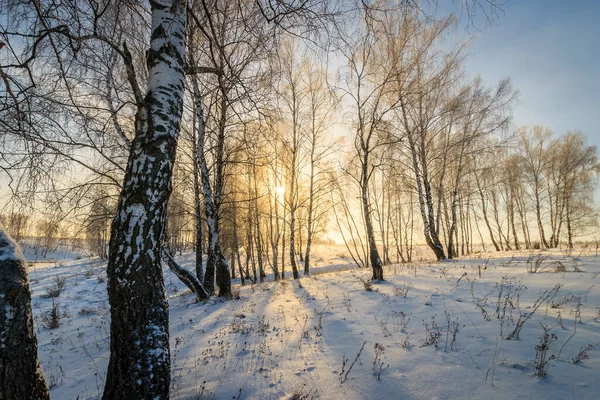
x=367 y=84
x=511 y=176
x=426 y=111
x=98 y=226
x=485 y=182
x=534 y=157
x=320 y=111
x=580 y=168
x=18 y=224
x=292 y=103
x=481 y=112
x=47 y=235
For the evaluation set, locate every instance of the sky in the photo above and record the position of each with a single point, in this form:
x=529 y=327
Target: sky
x=551 y=51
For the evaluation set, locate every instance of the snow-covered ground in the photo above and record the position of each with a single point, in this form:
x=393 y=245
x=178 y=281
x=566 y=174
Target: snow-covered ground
x=430 y=331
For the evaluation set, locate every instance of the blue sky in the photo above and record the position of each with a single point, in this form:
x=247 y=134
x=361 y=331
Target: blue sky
x=551 y=51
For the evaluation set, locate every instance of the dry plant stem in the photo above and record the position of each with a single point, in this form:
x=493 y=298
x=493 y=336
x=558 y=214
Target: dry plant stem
x=577 y=314
x=545 y=296
x=344 y=374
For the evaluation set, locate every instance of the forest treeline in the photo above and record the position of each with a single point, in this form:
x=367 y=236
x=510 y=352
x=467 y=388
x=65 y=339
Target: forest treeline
x=394 y=147
x=249 y=130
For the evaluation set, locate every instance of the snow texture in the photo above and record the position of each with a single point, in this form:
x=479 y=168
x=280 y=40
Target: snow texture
x=290 y=338
x=9 y=249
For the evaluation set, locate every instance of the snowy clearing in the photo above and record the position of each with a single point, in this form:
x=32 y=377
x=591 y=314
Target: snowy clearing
x=430 y=331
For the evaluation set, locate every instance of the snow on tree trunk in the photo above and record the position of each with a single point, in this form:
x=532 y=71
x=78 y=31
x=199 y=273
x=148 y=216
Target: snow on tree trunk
x=21 y=376
x=139 y=365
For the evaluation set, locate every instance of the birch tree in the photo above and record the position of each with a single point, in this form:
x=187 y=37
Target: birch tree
x=580 y=168
x=483 y=112
x=366 y=83
x=425 y=107
x=21 y=376
x=139 y=362
x=534 y=157
x=292 y=97
x=320 y=109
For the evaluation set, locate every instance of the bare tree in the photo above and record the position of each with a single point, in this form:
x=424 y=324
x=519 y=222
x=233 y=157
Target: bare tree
x=347 y=225
x=140 y=358
x=425 y=113
x=534 y=158
x=482 y=113
x=320 y=109
x=580 y=167
x=98 y=225
x=293 y=107
x=367 y=82
x=19 y=223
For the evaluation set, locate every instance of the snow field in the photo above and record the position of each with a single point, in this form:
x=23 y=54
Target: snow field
x=430 y=331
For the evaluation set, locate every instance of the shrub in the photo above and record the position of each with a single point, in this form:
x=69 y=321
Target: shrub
x=235 y=294
x=60 y=282
x=535 y=263
x=368 y=284
x=89 y=272
x=583 y=354
x=559 y=267
x=51 y=319
x=541 y=354
x=402 y=291
x=433 y=333
x=87 y=311
x=378 y=364
x=545 y=296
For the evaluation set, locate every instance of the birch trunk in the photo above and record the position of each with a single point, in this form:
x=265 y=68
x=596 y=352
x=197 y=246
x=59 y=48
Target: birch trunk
x=184 y=275
x=425 y=202
x=197 y=208
x=215 y=262
x=311 y=202
x=538 y=215
x=376 y=263
x=139 y=365
x=451 y=250
x=293 y=209
x=21 y=376
x=485 y=216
